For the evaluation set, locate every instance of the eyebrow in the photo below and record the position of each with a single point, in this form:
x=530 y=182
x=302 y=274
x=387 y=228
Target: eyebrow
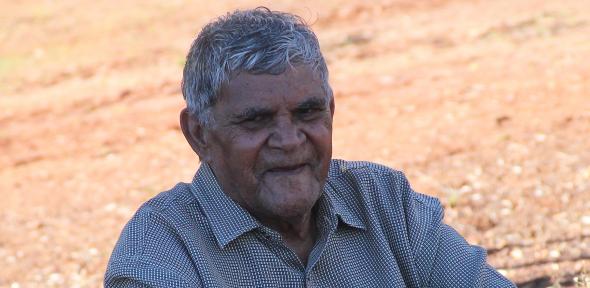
x=251 y=113
x=314 y=102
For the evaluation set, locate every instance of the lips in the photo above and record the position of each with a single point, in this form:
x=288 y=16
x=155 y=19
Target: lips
x=287 y=169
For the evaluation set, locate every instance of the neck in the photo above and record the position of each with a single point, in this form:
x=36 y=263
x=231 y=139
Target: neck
x=294 y=228
x=299 y=234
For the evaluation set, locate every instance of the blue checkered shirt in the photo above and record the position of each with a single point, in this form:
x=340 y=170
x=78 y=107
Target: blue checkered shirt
x=374 y=231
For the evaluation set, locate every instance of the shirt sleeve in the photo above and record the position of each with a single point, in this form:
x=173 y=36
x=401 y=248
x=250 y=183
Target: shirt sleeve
x=133 y=273
x=148 y=254
x=458 y=264
x=444 y=257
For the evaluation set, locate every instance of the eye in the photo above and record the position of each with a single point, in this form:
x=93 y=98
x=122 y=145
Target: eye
x=309 y=113
x=254 y=118
x=307 y=110
x=255 y=121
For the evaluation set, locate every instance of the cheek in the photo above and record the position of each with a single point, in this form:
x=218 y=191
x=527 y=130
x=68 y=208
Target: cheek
x=321 y=137
x=243 y=151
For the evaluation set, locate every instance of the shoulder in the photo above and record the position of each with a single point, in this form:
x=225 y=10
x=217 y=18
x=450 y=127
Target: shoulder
x=151 y=242
x=339 y=168
x=383 y=197
x=155 y=218
x=410 y=221
x=377 y=182
x=180 y=195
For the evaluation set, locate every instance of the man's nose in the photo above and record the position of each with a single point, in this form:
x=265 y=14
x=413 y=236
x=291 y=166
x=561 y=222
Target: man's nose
x=286 y=135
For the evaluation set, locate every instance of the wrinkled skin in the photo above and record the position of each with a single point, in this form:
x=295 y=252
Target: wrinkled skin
x=270 y=145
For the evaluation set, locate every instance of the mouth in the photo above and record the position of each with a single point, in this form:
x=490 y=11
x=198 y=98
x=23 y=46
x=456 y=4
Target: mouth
x=287 y=169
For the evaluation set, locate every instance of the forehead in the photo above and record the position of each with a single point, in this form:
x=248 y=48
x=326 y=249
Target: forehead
x=295 y=85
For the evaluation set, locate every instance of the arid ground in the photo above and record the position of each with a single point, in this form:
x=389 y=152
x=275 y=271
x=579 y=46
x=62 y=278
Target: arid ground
x=484 y=104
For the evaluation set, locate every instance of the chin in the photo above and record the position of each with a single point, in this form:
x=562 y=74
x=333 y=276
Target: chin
x=296 y=207
x=293 y=212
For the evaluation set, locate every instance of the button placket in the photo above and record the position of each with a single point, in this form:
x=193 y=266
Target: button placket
x=308 y=280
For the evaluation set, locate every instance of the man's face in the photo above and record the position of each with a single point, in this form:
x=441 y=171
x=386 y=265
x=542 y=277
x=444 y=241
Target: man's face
x=271 y=142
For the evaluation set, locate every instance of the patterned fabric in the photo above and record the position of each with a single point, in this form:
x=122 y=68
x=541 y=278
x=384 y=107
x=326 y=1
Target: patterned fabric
x=374 y=231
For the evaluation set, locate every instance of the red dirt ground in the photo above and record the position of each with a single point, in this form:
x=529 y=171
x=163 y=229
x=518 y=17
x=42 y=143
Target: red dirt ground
x=484 y=104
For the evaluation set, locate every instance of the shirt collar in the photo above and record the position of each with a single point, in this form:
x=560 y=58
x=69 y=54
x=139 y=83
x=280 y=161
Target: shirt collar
x=345 y=214
x=229 y=220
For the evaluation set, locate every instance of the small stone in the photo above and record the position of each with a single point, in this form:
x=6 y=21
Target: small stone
x=385 y=80
x=586 y=219
x=554 y=254
x=465 y=189
x=478 y=171
x=540 y=137
x=38 y=53
x=565 y=198
x=507 y=203
x=516 y=254
x=140 y=131
x=505 y=211
x=55 y=278
x=111 y=157
x=517 y=170
x=110 y=207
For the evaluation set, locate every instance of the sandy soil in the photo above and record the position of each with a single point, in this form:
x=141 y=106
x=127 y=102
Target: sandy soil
x=484 y=104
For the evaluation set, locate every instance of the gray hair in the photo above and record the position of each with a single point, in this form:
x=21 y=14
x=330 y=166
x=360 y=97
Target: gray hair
x=258 y=41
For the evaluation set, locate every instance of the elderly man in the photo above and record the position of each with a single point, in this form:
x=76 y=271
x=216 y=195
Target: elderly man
x=268 y=206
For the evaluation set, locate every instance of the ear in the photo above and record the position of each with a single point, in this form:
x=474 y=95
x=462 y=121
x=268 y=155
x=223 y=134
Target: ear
x=332 y=106
x=195 y=134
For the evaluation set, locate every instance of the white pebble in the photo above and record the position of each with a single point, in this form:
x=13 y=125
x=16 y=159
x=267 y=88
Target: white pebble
x=516 y=254
x=110 y=207
x=540 y=137
x=516 y=169
x=55 y=278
